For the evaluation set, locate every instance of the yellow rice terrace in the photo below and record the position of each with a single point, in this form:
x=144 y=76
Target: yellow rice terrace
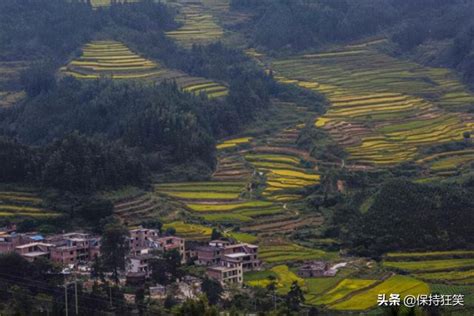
x=112 y=59
x=383 y=110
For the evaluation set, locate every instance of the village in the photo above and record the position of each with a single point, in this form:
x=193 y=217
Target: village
x=223 y=260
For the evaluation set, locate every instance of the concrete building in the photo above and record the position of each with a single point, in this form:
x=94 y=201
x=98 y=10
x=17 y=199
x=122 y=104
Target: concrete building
x=33 y=251
x=74 y=248
x=144 y=240
x=218 y=250
x=140 y=263
x=316 y=269
x=9 y=240
x=227 y=272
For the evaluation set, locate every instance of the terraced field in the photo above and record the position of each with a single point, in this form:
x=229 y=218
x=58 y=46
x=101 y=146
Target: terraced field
x=343 y=289
x=283 y=251
x=232 y=143
x=16 y=205
x=10 y=87
x=199 y=26
x=383 y=110
x=451 y=267
x=137 y=207
x=112 y=59
x=190 y=231
x=106 y=3
x=283 y=278
x=366 y=299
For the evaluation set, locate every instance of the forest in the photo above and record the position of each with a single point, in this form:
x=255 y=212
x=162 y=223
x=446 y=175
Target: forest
x=332 y=137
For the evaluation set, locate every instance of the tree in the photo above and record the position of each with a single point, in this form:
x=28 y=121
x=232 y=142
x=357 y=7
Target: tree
x=294 y=297
x=153 y=224
x=39 y=78
x=140 y=300
x=167 y=269
x=21 y=301
x=97 y=269
x=115 y=247
x=212 y=289
x=170 y=231
x=216 y=234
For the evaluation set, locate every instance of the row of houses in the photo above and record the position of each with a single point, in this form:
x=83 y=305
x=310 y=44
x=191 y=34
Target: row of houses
x=225 y=261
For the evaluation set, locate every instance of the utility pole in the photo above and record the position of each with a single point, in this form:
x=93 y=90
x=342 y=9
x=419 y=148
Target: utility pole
x=76 y=301
x=110 y=295
x=65 y=299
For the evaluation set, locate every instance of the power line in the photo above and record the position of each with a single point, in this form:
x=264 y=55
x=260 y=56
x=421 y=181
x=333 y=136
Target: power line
x=48 y=287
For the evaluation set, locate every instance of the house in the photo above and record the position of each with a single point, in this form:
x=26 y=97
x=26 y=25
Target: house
x=218 y=250
x=140 y=263
x=74 y=248
x=10 y=239
x=143 y=240
x=227 y=272
x=208 y=255
x=169 y=243
x=316 y=269
x=32 y=251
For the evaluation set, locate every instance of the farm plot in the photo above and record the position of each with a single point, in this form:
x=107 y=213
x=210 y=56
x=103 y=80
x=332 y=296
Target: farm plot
x=342 y=290
x=232 y=168
x=383 y=110
x=213 y=191
x=431 y=265
x=232 y=143
x=115 y=60
x=137 y=207
x=285 y=173
x=107 y=3
x=199 y=26
x=220 y=202
x=10 y=88
x=112 y=59
x=283 y=278
x=399 y=284
x=451 y=267
x=283 y=251
x=18 y=205
x=189 y=230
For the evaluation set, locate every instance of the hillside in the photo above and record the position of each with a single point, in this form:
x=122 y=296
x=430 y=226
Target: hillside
x=332 y=131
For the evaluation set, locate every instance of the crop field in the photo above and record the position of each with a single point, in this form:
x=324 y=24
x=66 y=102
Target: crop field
x=343 y=289
x=111 y=59
x=189 y=230
x=447 y=276
x=423 y=255
x=284 y=278
x=106 y=3
x=10 y=88
x=383 y=111
x=287 y=252
x=115 y=60
x=243 y=237
x=18 y=205
x=136 y=207
x=232 y=168
x=232 y=143
x=449 y=267
x=399 y=284
x=199 y=26
x=284 y=172
x=430 y=265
